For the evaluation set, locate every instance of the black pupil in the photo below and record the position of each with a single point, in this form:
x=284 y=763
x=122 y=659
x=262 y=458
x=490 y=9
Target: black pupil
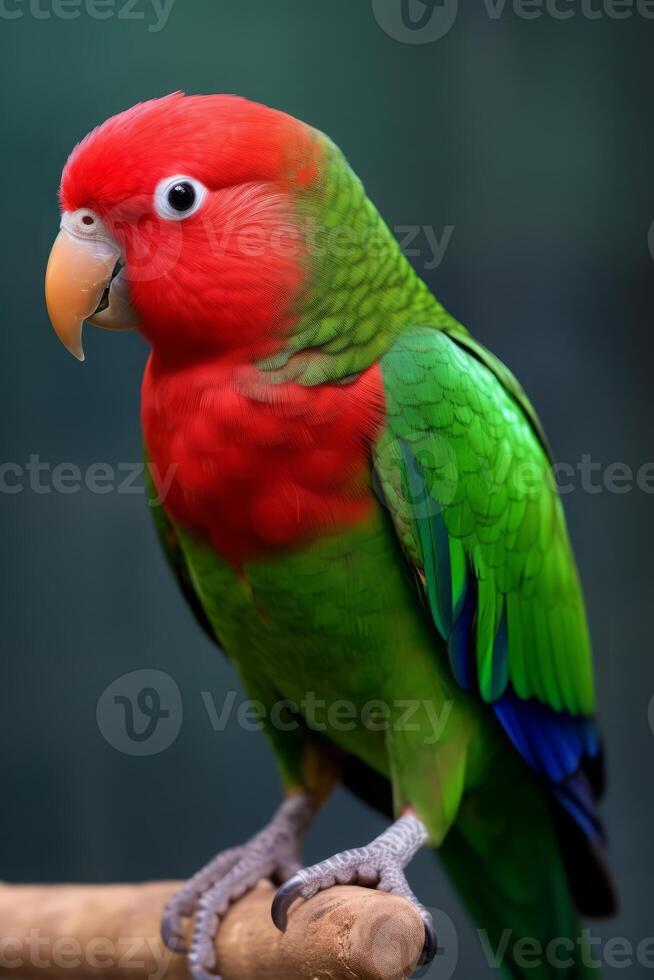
x=181 y=196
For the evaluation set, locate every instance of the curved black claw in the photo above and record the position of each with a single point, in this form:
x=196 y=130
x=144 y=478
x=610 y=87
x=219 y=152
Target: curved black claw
x=199 y=973
x=430 y=948
x=283 y=900
x=171 y=933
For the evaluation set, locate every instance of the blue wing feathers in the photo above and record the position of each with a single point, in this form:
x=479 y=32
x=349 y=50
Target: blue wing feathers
x=553 y=743
x=501 y=656
x=460 y=645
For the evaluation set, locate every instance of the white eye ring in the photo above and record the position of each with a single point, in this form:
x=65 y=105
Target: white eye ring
x=177 y=198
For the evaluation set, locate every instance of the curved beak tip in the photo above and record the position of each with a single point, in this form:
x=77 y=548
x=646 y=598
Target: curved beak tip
x=75 y=279
x=84 y=281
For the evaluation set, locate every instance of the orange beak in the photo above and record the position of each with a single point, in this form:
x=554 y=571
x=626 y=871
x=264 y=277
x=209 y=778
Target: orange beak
x=83 y=281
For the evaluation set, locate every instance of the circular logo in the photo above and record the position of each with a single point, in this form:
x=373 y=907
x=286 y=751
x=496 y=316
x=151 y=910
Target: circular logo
x=140 y=713
x=392 y=951
x=415 y=21
x=446 y=960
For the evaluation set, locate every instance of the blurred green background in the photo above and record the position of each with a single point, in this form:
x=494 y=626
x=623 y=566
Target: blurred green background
x=532 y=139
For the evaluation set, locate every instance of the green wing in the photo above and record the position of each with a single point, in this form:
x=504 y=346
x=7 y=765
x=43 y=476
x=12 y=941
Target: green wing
x=465 y=473
x=174 y=554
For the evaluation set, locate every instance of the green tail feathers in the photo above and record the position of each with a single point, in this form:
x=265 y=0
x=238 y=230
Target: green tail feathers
x=504 y=859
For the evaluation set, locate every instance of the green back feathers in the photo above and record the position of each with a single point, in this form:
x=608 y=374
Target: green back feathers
x=360 y=291
x=470 y=490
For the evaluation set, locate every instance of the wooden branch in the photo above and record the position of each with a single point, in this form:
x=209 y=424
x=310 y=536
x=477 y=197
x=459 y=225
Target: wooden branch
x=112 y=931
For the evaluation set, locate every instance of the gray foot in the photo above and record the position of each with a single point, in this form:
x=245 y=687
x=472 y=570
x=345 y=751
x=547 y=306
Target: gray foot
x=379 y=865
x=274 y=852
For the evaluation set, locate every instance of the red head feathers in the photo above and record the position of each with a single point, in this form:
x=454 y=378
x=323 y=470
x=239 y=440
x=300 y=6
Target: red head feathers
x=224 y=275
x=186 y=215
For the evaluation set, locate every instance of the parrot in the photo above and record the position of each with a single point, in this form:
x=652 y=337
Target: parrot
x=356 y=499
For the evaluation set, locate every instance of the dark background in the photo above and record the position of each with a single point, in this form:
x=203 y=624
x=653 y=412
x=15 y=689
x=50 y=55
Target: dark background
x=533 y=138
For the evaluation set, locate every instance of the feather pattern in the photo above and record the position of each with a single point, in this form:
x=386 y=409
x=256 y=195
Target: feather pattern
x=466 y=476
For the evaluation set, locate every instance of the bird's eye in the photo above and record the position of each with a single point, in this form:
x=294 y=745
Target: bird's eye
x=178 y=197
x=181 y=197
